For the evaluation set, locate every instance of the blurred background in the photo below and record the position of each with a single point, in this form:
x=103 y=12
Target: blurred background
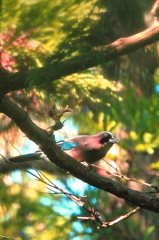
x=120 y=96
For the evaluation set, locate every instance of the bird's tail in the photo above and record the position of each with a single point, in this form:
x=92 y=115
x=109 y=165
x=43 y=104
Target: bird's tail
x=28 y=157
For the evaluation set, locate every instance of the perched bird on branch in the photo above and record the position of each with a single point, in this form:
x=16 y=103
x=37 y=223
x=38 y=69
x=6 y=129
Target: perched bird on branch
x=83 y=148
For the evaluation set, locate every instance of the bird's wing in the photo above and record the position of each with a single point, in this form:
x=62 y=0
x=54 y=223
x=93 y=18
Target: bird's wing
x=67 y=145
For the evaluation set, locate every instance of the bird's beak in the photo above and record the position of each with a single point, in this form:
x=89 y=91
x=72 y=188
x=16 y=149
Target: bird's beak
x=113 y=140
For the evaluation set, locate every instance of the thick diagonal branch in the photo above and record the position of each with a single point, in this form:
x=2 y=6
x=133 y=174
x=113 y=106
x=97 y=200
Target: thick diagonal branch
x=62 y=160
x=15 y=81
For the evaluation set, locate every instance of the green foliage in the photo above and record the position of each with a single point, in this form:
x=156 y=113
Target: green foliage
x=139 y=118
x=23 y=214
x=39 y=32
x=45 y=25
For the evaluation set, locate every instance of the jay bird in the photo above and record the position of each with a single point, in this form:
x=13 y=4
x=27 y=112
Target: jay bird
x=83 y=148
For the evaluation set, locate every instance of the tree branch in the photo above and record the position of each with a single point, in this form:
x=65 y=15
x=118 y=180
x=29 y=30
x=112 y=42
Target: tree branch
x=54 y=71
x=41 y=165
x=64 y=161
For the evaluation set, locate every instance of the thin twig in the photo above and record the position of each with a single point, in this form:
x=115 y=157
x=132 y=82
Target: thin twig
x=119 y=219
x=8 y=237
x=120 y=175
x=82 y=201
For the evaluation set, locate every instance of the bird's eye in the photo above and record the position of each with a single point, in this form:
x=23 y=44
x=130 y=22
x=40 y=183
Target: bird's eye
x=105 y=134
x=105 y=138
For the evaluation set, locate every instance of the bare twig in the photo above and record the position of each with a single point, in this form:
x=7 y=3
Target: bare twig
x=8 y=237
x=119 y=219
x=56 y=115
x=118 y=174
x=155 y=10
x=16 y=149
x=82 y=201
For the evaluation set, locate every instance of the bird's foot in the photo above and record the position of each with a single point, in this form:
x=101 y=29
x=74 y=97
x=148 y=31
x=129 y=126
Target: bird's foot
x=88 y=166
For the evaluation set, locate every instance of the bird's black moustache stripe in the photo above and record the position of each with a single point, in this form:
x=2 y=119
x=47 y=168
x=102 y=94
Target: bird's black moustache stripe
x=105 y=139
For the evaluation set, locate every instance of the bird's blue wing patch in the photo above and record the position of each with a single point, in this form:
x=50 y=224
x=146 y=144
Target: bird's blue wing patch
x=67 y=145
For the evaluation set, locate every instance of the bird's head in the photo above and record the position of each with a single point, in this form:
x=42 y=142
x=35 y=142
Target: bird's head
x=107 y=137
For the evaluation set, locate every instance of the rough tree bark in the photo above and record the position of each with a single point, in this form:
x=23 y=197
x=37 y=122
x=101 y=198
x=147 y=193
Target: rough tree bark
x=15 y=81
x=62 y=160
x=34 y=77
